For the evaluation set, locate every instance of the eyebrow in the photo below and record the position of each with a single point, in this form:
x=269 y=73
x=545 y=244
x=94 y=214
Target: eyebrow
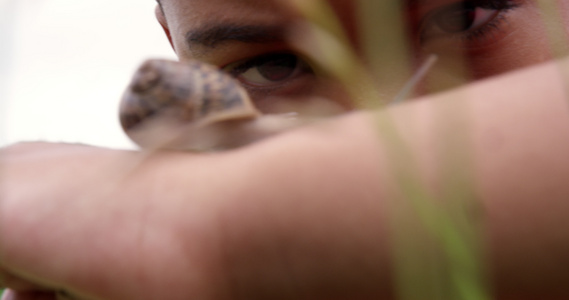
x=212 y=35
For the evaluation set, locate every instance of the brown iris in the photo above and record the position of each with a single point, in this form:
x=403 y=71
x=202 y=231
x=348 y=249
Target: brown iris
x=279 y=67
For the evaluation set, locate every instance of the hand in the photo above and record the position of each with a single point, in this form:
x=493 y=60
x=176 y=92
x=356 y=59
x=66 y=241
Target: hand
x=104 y=224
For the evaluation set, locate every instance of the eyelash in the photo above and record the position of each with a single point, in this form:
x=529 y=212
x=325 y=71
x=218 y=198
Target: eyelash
x=485 y=30
x=242 y=67
x=502 y=7
x=239 y=68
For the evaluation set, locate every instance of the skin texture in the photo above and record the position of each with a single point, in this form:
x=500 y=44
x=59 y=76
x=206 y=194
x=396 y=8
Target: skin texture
x=303 y=215
x=228 y=237
x=517 y=38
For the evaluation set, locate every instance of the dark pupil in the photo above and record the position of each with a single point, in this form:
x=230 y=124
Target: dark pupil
x=279 y=67
x=457 y=19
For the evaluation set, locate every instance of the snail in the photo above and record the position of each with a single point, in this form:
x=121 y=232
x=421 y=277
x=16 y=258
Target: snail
x=193 y=106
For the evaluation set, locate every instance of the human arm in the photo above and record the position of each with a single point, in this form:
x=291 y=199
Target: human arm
x=304 y=213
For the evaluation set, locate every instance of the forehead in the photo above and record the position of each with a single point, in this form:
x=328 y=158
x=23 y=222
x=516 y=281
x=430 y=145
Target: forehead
x=220 y=7
x=195 y=13
x=198 y=12
x=187 y=16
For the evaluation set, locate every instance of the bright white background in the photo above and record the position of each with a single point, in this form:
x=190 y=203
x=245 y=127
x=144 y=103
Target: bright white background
x=65 y=63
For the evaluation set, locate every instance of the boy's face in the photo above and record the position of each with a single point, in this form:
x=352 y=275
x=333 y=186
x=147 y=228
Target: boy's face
x=247 y=38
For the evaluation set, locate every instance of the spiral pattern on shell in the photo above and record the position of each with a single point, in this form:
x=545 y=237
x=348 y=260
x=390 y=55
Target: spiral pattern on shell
x=186 y=92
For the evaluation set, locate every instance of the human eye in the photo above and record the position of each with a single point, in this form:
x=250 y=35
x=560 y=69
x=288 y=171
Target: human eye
x=269 y=71
x=281 y=82
x=464 y=24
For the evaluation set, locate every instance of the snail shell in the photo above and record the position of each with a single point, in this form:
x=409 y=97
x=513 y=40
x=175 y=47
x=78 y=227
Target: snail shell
x=192 y=106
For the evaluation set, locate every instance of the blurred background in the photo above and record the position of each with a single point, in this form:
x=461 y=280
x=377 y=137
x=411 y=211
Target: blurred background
x=65 y=63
